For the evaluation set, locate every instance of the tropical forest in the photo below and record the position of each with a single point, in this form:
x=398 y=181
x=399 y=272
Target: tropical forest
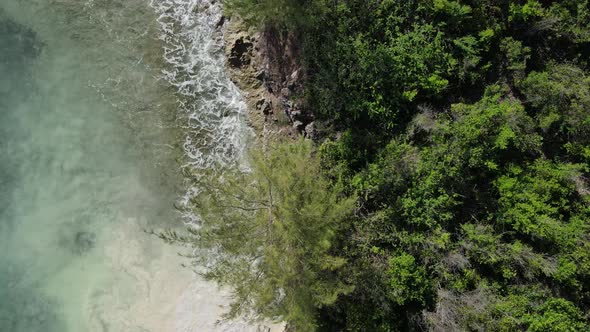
x=447 y=187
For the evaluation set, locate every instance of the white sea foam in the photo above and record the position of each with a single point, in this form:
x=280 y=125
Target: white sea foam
x=214 y=109
x=216 y=130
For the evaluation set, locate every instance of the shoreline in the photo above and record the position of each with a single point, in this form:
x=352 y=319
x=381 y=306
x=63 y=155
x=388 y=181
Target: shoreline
x=270 y=88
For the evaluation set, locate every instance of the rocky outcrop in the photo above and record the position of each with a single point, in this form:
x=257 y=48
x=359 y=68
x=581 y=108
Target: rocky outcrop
x=266 y=66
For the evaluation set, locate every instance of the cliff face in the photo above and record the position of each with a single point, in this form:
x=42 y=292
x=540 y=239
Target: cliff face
x=266 y=66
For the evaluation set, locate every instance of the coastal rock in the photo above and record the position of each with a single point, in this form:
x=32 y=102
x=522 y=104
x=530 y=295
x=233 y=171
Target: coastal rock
x=285 y=92
x=298 y=125
x=310 y=131
x=261 y=75
x=240 y=54
x=221 y=22
x=295 y=114
x=272 y=88
x=264 y=106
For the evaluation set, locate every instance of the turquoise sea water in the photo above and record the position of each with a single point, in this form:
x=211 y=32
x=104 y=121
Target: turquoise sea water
x=87 y=148
x=105 y=107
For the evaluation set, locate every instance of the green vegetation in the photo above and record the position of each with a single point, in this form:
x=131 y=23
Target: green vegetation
x=464 y=137
x=270 y=233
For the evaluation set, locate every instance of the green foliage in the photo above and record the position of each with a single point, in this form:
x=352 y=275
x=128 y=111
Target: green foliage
x=274 y=13
x=527 y=11
x=408 y=282
x=526 y=309
x=383 y=78
x=516 y=56
x=477 y=172
x=269 y=234
x=557 y=315
x=561 y=98
x=520 y=308
x=451 y=8
x=538 y=202
x=463 y=130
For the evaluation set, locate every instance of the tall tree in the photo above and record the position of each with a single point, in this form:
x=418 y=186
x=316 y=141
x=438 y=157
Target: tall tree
x=268 y=233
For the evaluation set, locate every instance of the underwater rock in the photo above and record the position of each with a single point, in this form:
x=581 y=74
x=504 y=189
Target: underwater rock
x=84 y=242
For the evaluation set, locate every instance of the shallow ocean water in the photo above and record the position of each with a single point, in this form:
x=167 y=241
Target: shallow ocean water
x=92 y=139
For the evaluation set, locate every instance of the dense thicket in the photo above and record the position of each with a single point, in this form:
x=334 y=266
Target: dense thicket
x=465 y=134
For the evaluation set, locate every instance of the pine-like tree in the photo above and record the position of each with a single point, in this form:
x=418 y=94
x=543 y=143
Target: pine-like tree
x=268 y=233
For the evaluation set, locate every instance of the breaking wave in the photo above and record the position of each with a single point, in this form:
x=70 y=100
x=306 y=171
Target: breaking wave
x=214 y=109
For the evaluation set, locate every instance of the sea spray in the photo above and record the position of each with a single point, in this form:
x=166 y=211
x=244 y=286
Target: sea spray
x=217 y=135
x=215 y=111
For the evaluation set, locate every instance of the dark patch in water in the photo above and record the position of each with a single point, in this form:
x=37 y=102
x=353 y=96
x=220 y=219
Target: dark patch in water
x=18 y=43
x=19 y=47
x=23 y=308
x=76 y=241
x=84 y=241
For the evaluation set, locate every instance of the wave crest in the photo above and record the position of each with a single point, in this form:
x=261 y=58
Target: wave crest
x=214 y=108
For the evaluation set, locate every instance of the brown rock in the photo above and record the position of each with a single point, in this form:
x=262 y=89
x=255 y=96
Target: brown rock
x=240 y=52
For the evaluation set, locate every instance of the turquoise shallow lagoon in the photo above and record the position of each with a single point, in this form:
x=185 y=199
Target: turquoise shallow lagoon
x=105 y=107
x=88 y=143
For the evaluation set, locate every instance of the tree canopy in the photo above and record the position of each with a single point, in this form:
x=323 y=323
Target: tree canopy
x=270 y=232
x=461 y=128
